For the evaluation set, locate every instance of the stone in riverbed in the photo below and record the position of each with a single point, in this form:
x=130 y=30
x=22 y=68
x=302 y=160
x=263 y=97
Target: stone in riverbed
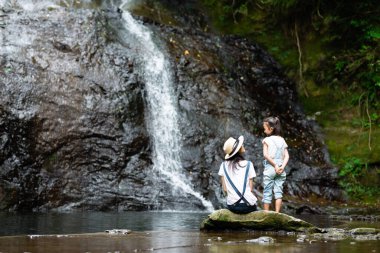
x=262 y=240
x=364 y=231
x=338 y=234
x=224 y=219
x=118 y=231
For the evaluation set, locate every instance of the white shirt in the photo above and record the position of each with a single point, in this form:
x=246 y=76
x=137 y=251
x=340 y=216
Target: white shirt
x=275 y=142
x=237 y=177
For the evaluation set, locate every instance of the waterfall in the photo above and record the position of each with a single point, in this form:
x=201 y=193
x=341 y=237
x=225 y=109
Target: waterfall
x=162 y=124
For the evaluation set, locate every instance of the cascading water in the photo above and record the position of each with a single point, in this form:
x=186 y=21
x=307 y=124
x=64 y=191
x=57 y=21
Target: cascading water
x=163 y=115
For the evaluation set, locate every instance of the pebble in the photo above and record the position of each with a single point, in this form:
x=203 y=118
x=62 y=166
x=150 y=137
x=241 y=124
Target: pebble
x=262 y=240
x=301 y=238
x=118 y=231
x=217 y=239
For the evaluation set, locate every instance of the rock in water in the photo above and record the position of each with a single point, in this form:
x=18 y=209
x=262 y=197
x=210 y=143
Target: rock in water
x=224 y=219
x=262 y=240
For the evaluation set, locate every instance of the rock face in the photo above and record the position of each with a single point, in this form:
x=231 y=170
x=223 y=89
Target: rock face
x=73 y=114
x=224 y=219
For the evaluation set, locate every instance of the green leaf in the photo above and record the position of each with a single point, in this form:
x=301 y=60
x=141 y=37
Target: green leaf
x=339 y=66
x=374 y=33
x=243 y=9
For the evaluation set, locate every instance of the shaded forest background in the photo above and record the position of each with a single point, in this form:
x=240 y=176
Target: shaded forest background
x=331 y=50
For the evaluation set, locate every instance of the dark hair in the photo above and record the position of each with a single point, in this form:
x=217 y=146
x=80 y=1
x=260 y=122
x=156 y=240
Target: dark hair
x=274 y=122
x=235 y=160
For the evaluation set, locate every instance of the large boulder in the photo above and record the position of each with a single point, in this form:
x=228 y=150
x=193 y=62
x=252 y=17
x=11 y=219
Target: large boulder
x=224 y=219
x=72 y=128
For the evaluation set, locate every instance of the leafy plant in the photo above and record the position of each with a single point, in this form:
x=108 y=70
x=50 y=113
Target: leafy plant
x=350 y=180
x=352 y=169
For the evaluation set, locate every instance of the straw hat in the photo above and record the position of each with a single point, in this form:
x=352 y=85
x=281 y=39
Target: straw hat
x=232 y=146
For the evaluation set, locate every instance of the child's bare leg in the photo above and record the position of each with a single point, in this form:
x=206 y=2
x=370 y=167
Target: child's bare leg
x=266 y=206
x=278 y=205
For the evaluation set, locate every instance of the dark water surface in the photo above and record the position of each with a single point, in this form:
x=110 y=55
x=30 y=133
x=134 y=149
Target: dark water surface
x=178 y=242
x=92 y=222
x=156 y=232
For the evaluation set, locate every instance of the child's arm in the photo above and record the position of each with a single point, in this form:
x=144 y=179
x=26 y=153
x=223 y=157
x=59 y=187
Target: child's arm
x=286 y=158
x=223 y=185
x=251 y=184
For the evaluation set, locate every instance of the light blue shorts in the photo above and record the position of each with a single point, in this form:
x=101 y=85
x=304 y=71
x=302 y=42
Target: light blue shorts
x=273 y=183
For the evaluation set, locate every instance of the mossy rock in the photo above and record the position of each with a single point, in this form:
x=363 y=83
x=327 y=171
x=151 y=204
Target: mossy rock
x=224 y=219
x=364 y=231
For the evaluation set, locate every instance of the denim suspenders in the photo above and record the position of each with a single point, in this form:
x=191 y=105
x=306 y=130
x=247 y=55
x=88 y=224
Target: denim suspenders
x=241 y=195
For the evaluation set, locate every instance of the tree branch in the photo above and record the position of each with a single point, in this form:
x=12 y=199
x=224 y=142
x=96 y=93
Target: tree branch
x=300 y=70
x=370 y=125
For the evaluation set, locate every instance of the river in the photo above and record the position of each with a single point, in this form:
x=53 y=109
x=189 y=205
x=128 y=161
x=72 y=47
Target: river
x=157 y=232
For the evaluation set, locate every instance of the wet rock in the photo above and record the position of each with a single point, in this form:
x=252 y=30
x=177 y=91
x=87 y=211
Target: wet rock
x=302 y=208
x=332 y=234
x=71 y=121
x=118 y=231
x=62 y=46
x=262 y=240
x=374 y=237
x=224 y=219
x=73 y=130
x=360 y=234
x=371 y=218
x=364 y=231
x=301 y=238
x=226 y=88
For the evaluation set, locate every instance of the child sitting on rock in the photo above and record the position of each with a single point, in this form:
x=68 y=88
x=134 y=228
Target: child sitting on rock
x=236 y=176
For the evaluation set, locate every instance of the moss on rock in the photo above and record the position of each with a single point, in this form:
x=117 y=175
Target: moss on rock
x=224 y=219
x=364 y=231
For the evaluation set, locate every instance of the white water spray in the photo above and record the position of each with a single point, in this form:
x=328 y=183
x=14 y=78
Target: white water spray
x=163 y=124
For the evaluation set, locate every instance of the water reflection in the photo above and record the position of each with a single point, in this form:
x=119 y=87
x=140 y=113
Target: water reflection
x=153 y=231
x=177 y=241
x=91 y=222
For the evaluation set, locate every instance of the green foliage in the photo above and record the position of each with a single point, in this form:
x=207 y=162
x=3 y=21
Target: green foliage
x=349 y=29
x=356 y=64
x=353 y=168
x=373 y=33
x=351 y=177
x=359 y=192
x=281 y=4
x=340 y=65
x=243 y=9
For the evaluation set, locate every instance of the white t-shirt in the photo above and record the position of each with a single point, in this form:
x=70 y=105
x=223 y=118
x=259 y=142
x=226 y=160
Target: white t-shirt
x=237 y=177
x=275 y=142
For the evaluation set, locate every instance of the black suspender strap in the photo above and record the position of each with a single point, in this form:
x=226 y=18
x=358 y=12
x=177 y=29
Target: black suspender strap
x=241 y=195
